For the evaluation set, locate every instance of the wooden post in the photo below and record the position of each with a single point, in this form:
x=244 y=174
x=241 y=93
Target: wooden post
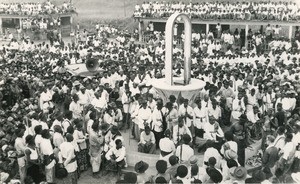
x=20 y=23
x=141 y=30
x=246 y=36
x=1 y=29
x=207 y=28
x=290 y=32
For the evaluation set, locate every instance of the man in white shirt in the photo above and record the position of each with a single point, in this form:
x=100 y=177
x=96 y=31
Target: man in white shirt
x=144 y=116
x=200 y=116
x=212 y=130
x=99 y=102
x=116 y=157
x=280 y=139
x=48 y=155
x=184 y=152
x=287 y=154
x=45 y=100
x=76 y=108
x=147 y=141
x=187 y=113
x=20 y=147
x=68 y=159
x=179 y=130
x=84 y=98
x=215 y=110
x=238 y=108
x=167 y=146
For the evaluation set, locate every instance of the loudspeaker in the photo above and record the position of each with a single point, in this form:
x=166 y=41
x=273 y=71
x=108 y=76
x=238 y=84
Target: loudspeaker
x=92 y=64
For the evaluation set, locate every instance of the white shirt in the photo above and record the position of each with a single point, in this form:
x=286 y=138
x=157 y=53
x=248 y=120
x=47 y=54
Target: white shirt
x=99 y=103
x=157 y=120
x=210 y=132
x=212 y=152
x=76 y=109
x=200 y=116
x=279 y=141
x=288 y=150
x=119 y=153
x=181 y=112
x=187 y=152
x=144 y=116
x=46 y=149
x=178 y=133
x=166 y=145
x=67 y=153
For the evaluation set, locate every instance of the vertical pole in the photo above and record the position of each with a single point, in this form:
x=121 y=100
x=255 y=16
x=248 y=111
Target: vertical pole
x=141 y=28
x=246 y=36
x=187 y=49
x=20 y=23
x=290 y=32
x=1 y=29
x=207 y=28
x=169 y=32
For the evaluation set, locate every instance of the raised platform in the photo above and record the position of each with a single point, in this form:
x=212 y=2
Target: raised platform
x=227 y=21
x=189 y=91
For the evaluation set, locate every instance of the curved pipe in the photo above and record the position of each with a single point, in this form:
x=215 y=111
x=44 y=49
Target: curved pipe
x=169 y=48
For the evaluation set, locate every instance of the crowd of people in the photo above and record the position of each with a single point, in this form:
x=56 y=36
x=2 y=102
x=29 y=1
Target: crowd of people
x=33 y=9
x=279 y=11
x=55 y=125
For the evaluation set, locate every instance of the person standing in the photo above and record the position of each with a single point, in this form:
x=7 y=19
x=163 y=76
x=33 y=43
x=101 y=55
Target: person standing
x=270 y=155
x=33 y=160
x=287 y=154
x=96 y=140
x=20 y=147
x=159 y=123
x=240 y=136
x=68 y=159
x=48 y=155
x=76 y=108
x=80 y=139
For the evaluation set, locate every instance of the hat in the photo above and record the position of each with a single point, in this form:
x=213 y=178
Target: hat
x=76 y=83
x=9 y=119
x=182 y=171
x=193 y=160
x=240 y=173
x=81 y=86
x=141 y=167
x=214 y=175
x=230 y=154
x=130 y=177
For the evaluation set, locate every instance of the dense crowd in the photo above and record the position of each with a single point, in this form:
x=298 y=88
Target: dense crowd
x=33 y=9
x=55 y=125
x=280 y=11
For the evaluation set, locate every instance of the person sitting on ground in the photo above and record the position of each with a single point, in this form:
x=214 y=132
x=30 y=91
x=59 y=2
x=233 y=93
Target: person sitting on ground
x=184 y=151
x=116 y=158
x=147 y=141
